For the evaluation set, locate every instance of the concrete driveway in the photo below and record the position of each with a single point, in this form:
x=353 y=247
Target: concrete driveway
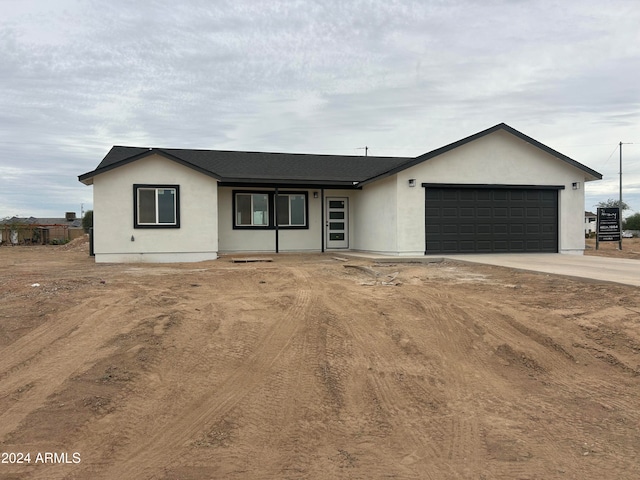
x=618 y=270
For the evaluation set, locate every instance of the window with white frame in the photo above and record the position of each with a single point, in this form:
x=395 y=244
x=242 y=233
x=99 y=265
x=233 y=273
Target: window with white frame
x=252 y=209
x=156 y=206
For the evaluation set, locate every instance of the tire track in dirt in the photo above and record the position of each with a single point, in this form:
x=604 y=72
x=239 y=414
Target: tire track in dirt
x=454 y=333
x=384 y=386
x=561 y=367
x=559 y=379
x=56 y=351
x=500 y=332
x=168 y=443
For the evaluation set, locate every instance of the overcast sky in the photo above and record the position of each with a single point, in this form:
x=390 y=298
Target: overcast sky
x=326 y=76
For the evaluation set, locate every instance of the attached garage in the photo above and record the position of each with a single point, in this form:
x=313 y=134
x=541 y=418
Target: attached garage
x=491 y=219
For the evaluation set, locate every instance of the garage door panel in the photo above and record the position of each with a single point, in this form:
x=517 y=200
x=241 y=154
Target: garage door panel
x=500 y=195
x=516 y=212
x=516 y=245
x=485 y=220
x=467 y=196
x=516 y=229
x=517 y=195
x=533 y=229
x=484 y=196
x=434 y=231
x=501 y=246
x=550 y=196
x=450 y=195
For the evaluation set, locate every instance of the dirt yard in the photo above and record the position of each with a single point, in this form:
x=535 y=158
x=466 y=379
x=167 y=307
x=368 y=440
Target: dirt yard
x=309 y=367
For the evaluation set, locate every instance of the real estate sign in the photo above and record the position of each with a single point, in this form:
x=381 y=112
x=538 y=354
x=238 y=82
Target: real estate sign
x=608 y=229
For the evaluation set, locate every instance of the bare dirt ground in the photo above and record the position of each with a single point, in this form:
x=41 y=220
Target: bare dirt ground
x=630 y=248
x=308 y=367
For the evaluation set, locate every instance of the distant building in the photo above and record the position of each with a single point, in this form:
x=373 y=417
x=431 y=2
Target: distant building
x=590 y=220
x=40 y=231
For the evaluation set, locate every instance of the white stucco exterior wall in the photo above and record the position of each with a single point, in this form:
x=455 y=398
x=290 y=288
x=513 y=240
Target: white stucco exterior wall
x=195 y=240
x=498 y=158
x=375 y=217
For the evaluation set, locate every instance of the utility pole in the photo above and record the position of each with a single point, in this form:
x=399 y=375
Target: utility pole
x=366 y=150
x=620 y=203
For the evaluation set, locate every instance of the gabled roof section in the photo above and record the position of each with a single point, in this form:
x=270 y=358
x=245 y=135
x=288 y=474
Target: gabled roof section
x=260 y=167
x=501 y=126
x=232 y=167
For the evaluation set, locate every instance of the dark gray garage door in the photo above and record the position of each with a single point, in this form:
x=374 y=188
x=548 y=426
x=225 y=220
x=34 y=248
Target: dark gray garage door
x=490 y=220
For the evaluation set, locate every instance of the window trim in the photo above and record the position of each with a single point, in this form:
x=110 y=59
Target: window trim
x=289 y=195
x=138 y=186
x=252 y=225
x=271 y=205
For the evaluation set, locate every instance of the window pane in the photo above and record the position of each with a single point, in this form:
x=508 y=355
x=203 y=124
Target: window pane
x=297 y=210
x=336 y=215
x=260 y=209
x=147 y=205
x=336 y=204
x=166 y=205
x=283 y=209
x=243 y=209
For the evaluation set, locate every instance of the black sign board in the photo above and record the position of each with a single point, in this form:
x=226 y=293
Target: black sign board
x=608 y=225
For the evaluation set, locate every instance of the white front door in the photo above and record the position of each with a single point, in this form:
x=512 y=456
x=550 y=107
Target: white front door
x=337 y=222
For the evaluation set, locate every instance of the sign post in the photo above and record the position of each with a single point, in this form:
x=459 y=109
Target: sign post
x=608 y=228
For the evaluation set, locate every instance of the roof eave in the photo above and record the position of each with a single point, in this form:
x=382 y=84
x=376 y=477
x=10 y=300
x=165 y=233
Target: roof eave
x=283 y=182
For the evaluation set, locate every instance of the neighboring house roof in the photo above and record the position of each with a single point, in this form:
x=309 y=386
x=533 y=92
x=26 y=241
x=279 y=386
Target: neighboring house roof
x=42 y=222
x=234 y=167
x=590 y=214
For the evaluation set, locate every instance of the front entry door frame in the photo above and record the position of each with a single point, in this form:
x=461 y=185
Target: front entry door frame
x=337 y=222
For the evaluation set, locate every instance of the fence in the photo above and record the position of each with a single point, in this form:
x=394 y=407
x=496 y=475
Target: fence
x=37 y=234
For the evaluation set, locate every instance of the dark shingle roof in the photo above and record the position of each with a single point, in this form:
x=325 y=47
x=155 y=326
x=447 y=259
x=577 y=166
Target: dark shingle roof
x=235 y=167
x=262 y=167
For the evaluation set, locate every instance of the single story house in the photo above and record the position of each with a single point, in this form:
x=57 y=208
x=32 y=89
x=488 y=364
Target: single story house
x=496 y=191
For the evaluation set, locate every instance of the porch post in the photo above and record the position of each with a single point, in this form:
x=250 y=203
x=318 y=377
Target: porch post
x=275 y=220
x=322 y=222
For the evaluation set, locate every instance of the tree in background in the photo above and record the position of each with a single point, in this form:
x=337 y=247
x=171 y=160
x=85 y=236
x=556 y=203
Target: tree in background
x=611 y=203
x=632 y=222
x=87 y=221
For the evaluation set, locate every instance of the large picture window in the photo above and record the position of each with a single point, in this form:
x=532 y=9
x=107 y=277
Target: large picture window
x=260 y=209
x=156 y=206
